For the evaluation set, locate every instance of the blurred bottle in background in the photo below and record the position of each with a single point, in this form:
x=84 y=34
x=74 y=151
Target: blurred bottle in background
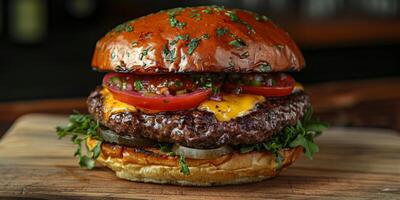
x=81 y=8
x=379 y=8
x=316 y=9
x=27 y=20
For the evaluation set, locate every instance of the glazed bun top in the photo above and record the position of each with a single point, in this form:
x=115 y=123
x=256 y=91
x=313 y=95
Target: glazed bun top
x=198 y=39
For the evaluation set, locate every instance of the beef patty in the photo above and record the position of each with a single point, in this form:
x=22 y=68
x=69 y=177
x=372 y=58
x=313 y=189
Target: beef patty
x=200 y=129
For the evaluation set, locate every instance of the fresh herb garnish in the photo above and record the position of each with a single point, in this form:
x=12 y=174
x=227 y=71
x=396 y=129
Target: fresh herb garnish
x=218 y=8
x=302 y=134
x=115 y=81
x=310 y=148
x=248 y=26
x=179 y=37
x=215 y=90
x=80 y=128
x=183 y=165
x=206 y=36
x=194 y=14
x=165 y=148
x=138 y=85
x=232 y=15
x=172 y=19
x=144 y=53
x=123 y=27
x=256 y=82
x=264 y=67
x=238 y=43
x=207 y=11
x=208 y=85
x=221 y=31
x=169 y=55
x=193 y=44
x=183 y=37
x=235 y=18
x=175 y=23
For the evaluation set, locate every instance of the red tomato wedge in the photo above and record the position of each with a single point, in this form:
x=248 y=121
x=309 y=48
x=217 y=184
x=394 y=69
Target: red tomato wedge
x=156 y=102
x=283 y=87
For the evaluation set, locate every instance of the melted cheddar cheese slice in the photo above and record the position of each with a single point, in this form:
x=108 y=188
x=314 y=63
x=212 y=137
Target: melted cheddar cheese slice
x=111 y=105
x=232 y=106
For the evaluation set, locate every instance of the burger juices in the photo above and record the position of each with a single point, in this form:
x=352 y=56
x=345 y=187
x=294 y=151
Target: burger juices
x=196 y=96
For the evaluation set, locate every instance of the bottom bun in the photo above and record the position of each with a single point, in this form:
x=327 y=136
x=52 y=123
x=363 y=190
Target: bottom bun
x=150 y=165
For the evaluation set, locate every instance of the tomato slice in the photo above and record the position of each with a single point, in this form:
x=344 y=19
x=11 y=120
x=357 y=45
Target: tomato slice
x=283 y=87
x=156 y=102
x=269 y=91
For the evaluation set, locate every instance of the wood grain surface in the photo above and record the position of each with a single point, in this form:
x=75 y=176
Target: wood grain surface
x=353 y=164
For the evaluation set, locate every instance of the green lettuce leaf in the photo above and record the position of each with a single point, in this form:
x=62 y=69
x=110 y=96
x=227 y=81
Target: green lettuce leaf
x=81 y=127
x=302 y=134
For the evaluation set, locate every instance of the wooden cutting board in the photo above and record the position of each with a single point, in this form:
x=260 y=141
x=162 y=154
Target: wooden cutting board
x=352 y=164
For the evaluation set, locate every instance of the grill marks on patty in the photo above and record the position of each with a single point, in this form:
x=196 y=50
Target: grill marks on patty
x=200 y=129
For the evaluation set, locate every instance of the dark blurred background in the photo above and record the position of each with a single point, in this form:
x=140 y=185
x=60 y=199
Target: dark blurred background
x=46 y=45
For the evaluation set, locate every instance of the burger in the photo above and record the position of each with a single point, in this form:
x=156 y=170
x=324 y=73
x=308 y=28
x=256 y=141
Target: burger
x=196 y=96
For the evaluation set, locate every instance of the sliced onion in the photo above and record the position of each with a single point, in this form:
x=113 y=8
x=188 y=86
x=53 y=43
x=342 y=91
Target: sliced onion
x=201 y=153
x=130 y=141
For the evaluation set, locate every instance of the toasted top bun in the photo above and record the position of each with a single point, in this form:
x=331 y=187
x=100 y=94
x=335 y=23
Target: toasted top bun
x=197 y=39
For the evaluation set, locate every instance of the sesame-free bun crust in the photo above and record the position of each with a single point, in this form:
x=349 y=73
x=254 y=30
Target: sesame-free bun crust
x=235 y=168
x=148 y=45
